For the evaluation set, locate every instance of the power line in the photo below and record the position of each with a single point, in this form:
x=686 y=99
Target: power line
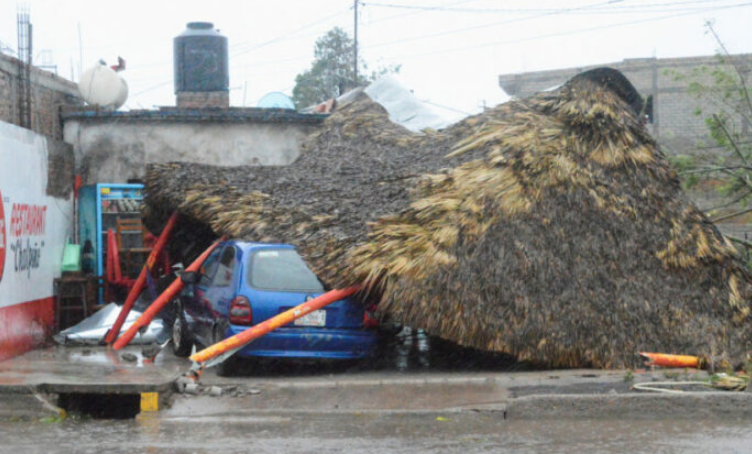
x=245 y=51
x=242 y=49
x=605 y=8
x=412 y=13
x=493 y=24
x=292 y=33
x=568 y=33
x=153 y=87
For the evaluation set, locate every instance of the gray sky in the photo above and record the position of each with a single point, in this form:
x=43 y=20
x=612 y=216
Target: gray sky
x=451 y=52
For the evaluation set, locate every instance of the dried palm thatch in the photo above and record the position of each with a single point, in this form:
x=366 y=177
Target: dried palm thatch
x=550 y=228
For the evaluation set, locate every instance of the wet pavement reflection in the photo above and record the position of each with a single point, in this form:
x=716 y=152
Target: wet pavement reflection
x=373 y=432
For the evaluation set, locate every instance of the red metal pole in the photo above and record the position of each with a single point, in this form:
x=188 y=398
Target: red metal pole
x=241 y=339
x=162 y=300
x=114 y=273
x=113 y=333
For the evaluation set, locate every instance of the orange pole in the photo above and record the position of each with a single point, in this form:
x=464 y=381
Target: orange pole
x=113 y=333
x=162 y=300
x=241 y=339
x=665 y=360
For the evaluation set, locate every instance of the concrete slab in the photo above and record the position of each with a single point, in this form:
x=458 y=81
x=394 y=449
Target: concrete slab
x=318 y=389
x=573 y=394
x=92 y=370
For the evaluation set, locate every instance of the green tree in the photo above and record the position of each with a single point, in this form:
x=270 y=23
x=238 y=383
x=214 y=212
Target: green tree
x=332 y=72
x=726 y=160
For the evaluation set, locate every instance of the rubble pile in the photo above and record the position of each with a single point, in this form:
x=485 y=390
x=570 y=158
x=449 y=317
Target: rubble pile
x=550 y=228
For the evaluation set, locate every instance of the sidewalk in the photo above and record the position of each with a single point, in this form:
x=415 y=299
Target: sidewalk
x=576 y=394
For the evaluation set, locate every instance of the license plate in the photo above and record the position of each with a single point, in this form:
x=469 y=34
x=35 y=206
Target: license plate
x=315 y=318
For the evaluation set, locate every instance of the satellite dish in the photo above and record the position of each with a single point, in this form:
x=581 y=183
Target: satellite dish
x=102 y=87
x=276 y=100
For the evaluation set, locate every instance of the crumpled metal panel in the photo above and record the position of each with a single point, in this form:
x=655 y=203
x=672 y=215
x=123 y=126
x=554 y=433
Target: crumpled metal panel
x=91 y=331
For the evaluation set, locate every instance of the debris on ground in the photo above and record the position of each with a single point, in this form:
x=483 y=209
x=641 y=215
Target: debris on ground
x=716 y=382
x=188 y=386
x=92 y=330
x=551 y=228
x=130 y=357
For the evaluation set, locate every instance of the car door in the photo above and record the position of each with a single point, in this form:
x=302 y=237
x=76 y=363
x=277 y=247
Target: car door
x=222 y=289
x=196 y=301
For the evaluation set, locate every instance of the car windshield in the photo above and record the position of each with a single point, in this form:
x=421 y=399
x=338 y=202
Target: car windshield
x=281 y=269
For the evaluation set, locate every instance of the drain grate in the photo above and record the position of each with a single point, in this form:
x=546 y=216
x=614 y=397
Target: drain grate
x=101 y=406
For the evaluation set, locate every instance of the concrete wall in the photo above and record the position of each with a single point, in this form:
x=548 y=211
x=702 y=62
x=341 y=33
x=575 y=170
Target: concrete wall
x=49 y=93
x=114 y=150
x=675 y=125
x=36 y=219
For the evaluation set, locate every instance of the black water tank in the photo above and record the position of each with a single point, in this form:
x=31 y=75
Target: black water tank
x=201 y=62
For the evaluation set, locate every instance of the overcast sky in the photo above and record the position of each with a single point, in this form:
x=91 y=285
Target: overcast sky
x=451 y=52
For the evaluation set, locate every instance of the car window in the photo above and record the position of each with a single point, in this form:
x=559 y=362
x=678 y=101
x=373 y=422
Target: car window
x=209 y=267
x=283 y=270
x=223 y=276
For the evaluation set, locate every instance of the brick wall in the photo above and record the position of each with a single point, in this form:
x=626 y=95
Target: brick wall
x=203 y=100
x=49 y=93
x=675 y=124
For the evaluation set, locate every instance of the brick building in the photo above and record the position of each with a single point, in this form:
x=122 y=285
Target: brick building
x=49 y=93
x=675 y=125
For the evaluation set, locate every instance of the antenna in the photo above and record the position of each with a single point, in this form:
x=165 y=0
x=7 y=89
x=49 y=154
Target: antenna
x=355 y=47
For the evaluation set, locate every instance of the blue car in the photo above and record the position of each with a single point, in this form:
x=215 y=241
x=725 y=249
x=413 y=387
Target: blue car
x=244 y=283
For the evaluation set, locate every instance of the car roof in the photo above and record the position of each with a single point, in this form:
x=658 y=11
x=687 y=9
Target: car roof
x=252 y=245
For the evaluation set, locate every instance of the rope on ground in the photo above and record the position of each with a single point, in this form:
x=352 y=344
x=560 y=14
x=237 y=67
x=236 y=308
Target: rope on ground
x=657 y=386
x=720 y=381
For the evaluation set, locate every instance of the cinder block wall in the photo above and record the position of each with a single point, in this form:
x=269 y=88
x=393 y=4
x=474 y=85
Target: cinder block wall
x=116 y=147
x=49 y=93
x=675 y=124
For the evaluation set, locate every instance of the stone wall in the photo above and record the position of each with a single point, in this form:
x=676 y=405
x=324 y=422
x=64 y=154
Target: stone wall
x=675 y=124
x=49 y=93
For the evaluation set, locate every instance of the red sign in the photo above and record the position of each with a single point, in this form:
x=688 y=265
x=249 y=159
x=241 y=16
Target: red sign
x=2 y=237
x=27 y=220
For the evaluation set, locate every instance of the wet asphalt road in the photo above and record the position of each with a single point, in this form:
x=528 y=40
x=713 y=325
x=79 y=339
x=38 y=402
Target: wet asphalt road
x=366 y=422
x=467 y=432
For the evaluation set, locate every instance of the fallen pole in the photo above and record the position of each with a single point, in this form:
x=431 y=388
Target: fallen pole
x=113 y=333
x=229 y=346
x=162 y=300
x=666 y=360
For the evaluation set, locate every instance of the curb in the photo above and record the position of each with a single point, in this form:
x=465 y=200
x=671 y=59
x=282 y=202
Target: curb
x=26 y=407
x=687 y=406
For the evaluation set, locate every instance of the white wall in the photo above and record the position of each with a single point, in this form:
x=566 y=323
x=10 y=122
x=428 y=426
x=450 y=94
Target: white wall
x=115 y=151
x=35 y=226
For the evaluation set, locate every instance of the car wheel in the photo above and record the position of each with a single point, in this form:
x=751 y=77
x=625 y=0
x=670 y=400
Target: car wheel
x=228 y=367
x=181 y=343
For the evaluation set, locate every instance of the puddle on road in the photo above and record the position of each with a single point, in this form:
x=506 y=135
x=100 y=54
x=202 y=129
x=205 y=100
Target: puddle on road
x=464 y=433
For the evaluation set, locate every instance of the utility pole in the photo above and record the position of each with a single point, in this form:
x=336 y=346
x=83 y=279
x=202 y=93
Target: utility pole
x=355 y=33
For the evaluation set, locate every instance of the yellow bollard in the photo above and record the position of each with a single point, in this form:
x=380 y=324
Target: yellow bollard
x=149 y=402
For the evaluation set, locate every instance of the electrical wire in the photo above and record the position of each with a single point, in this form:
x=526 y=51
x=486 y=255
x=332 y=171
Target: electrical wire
x=412 y=13
x=477 y=27
x=568 y=33
x=604 y=9
x=289 y=34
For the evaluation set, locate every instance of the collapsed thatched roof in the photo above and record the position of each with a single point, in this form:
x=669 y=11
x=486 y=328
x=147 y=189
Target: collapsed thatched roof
x=550 y=228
